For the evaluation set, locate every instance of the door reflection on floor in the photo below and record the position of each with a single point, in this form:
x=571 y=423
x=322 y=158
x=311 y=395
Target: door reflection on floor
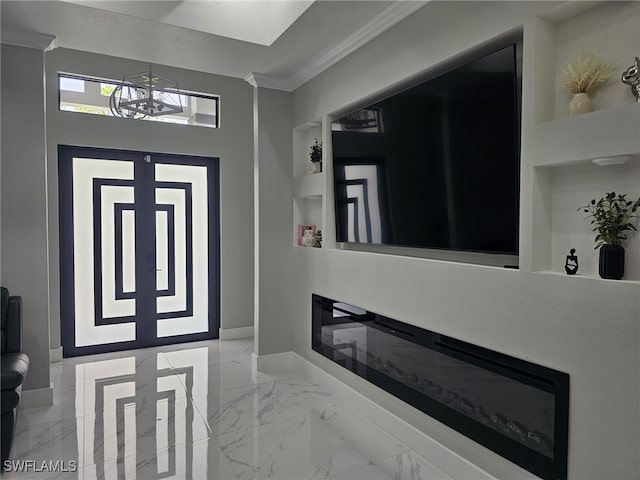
x=144 y=422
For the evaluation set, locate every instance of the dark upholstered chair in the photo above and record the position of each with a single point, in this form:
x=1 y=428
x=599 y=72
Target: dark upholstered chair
x=14 y=365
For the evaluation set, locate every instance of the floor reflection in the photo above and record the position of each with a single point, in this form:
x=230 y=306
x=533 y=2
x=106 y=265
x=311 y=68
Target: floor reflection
x=140 y=407
x=200 y=411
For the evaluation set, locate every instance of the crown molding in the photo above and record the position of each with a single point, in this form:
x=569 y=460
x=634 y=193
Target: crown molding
x=251 y=79
x=384 y=20
x=269 y=81
x=27 y=39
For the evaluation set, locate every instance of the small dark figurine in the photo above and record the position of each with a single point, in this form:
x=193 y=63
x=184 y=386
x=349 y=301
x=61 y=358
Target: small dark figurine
x=571 y=265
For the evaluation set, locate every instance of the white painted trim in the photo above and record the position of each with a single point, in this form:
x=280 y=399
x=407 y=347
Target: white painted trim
x=55 y=355
x=443 y=457
x=41 y=397
x=274 y=360
x=269 y=81
x=22 y=38
x=384 y=20
x=251 y=79
x=234 y=333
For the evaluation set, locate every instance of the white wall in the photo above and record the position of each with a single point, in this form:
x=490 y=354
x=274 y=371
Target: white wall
x=232 y=143
x=586 y=327
x=24 y=202
x=273 y=211
x=432 y=35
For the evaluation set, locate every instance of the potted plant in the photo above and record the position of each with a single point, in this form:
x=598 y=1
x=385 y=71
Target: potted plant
x=316 y=157
x=586 y=73
x=611 y=217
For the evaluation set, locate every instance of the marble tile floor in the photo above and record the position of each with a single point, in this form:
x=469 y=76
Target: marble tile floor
x=199 y=411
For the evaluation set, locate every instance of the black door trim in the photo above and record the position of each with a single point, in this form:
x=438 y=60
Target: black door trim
x=145 y=337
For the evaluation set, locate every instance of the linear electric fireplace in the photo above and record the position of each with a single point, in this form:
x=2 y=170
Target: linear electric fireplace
x=518 y=409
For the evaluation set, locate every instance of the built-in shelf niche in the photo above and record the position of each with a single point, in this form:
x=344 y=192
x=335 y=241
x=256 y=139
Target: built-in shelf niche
x=306 y=211
x=311 y=185
x=565 y=188
x=308 y=188
x=606 y=29
x=560 y=150
x=584 y=277
x=304 y=137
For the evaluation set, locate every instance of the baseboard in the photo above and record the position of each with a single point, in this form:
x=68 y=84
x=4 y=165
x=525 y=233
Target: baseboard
x=274 y=360
x=40 y=397
x=55 y=355
x=450 y=462
x=235 y=333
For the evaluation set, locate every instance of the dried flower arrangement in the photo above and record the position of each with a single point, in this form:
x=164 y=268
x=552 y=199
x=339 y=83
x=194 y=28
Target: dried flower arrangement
x=586 y=73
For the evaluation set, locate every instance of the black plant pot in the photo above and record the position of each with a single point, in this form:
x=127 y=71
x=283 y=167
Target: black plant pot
x=611 y=262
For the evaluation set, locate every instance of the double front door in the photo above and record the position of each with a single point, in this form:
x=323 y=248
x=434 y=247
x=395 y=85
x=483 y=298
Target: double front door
x=139 y=249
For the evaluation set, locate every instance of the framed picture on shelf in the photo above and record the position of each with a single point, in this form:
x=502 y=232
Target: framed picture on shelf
x=302 y=229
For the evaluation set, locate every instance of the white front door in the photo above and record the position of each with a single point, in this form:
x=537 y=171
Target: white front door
x=139 y=249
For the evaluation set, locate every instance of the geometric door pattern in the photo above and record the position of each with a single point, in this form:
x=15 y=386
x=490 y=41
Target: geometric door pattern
x=139 y=249
x=138 y=420
x=360 y=188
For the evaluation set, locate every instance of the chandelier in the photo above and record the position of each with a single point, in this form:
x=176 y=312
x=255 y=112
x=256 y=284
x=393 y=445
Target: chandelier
x=146 y=94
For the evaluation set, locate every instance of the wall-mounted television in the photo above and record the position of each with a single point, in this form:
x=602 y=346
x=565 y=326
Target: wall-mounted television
x=436 y=165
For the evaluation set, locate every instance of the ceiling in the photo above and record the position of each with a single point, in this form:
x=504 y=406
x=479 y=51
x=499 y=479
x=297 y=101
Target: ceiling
x=284 y=43
x=254 y=21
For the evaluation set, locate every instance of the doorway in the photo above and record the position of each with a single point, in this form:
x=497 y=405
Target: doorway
x=139 y=249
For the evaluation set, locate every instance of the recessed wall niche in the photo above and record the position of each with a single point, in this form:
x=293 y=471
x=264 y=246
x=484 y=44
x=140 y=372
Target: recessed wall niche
x=571 y=186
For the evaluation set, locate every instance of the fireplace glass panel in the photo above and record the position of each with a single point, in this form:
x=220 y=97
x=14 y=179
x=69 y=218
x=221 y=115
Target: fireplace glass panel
x=457 y=383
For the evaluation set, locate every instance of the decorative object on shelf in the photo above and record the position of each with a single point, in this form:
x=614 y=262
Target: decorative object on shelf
x=571 y=264
x=302 y=231
x=611 y=217
x=316 y=157
x=631 y=77
x=308 y=238
x=146 y=94
x=611 y=262
x=580 y=103
x=584 y=74
x=316 y=167
x=311 y=239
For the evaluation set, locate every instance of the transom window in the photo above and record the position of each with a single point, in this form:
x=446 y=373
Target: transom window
x=83 y=94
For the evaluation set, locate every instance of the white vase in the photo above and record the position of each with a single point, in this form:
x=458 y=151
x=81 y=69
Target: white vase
x=580 y=103
x=316 y=167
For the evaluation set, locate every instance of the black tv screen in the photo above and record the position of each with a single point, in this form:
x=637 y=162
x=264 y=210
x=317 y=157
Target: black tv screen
x=436 y=165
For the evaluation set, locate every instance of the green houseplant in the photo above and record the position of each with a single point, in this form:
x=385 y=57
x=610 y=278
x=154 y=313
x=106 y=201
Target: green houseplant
x=316 y=157
x=611 y=217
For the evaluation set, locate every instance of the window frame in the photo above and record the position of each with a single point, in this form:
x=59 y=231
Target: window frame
x=185 y=93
